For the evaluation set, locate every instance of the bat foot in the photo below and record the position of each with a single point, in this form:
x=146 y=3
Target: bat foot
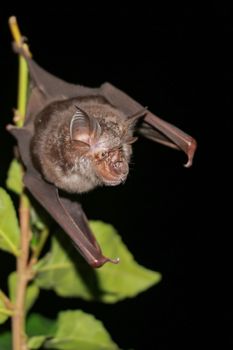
x=9 y=127
x=100 y=262
x=21 y=47
x=114 y=261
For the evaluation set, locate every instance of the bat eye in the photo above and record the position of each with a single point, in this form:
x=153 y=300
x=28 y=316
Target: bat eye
x=103 y=154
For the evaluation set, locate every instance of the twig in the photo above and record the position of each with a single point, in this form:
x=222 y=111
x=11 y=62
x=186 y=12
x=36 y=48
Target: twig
x=23 y=70
x=18 y=319
x=37 y=251
x=18 y=38
x=42 y=240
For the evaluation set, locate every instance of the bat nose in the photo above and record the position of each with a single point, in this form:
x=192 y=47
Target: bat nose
x=121 y=168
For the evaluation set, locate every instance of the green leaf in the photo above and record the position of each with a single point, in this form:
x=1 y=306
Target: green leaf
x=9 y=228
x=3 y=316
x=14 y=180
x=73 y=330
x=5 y=341
x=36 y=342
x=38 y=325
x=32 y=292
x=63 y=270
x=4 y=312
x=39 y=328
x=78 y=330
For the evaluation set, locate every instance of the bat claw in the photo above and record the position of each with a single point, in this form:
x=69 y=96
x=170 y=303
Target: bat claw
x=100 y=262
x=190 y=152
x=114 y=261
x=9 y=127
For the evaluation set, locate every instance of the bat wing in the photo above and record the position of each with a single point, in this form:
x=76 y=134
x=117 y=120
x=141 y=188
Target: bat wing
x=47 y=88
x=153 y=127
x=70 y=216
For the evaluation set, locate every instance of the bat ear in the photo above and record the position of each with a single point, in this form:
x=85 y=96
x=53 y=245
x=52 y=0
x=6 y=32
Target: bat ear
x=132 y=119
x=84 y=128
x=130 y=140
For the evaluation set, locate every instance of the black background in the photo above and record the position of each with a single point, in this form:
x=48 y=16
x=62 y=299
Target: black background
x=178 y=61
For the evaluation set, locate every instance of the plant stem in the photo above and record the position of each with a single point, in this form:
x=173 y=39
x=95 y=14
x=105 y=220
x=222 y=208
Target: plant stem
x=42 y=240
x=23 y=273
x=18 y=319
x=36 y=253
x=23 y=70
x=22 y=90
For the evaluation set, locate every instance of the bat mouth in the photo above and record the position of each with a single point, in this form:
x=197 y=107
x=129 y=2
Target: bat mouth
x=113 y=174
x=113 y=179
x=114 y=182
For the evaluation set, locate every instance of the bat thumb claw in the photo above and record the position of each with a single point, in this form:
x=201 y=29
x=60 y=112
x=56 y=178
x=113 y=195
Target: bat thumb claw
x=189 y=163
x=190 y=152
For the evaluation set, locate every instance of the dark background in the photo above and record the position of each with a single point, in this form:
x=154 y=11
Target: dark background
x=178 y=61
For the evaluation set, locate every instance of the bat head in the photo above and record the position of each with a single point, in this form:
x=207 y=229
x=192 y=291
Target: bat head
x=80 y=144
x=103 y=141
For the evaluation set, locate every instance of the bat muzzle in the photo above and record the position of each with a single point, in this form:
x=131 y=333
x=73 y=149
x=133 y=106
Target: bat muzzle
x=113 y=173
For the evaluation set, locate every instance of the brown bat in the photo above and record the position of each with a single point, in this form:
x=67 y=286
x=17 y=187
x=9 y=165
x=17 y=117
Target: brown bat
x=76 y=138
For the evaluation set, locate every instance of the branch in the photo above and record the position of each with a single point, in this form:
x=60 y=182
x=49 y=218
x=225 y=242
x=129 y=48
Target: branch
x=23 y=71
x=18 y=319
x=37 y=251
x=23 y=276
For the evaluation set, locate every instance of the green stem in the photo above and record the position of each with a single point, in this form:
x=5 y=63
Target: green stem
x=23 y=69
x=22 y=89
x=18 y=319
x=36 y=253
x=43 y=238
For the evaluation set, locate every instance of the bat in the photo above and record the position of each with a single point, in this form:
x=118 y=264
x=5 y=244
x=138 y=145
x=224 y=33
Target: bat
x=76 y=138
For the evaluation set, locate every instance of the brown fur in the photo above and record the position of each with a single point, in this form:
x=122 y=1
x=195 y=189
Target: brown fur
x=63 y=162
